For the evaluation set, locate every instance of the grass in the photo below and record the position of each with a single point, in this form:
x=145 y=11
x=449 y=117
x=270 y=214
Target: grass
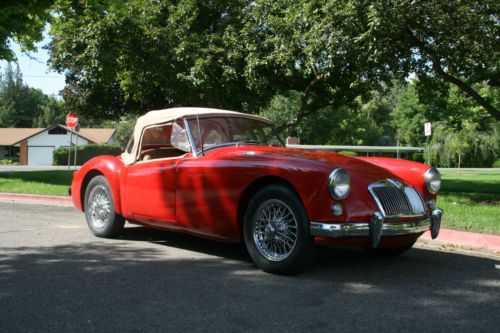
x=471 y=181
x=36 y=182
x=471 y=200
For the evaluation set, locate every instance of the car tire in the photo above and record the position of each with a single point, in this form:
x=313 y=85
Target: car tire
x=391 y=252
x=276 y=231
x=99 y=207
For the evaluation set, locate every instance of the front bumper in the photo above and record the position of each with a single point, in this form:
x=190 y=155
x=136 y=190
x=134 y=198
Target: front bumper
x=378 y=227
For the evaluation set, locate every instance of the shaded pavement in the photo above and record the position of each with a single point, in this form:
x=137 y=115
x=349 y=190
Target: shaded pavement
x=56 y=276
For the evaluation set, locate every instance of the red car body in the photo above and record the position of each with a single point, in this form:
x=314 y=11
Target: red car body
x=207 y=194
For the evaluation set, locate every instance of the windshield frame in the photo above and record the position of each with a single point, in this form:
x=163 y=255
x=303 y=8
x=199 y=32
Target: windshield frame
x=201 y=151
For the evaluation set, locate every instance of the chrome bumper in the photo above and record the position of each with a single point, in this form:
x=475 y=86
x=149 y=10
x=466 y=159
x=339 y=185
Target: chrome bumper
x=377 y=228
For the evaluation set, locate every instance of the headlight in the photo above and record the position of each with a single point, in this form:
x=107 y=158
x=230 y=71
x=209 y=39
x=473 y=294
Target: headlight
x=339 y=184
x=433 y=180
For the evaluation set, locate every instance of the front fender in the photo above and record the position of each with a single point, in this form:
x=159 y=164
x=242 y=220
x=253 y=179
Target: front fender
x=409 y=171
x=110 y=167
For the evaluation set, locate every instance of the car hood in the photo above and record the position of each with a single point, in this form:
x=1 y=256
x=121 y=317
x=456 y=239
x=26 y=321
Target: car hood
x=360 y=169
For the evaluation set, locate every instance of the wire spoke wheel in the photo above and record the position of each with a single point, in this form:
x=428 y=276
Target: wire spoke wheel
x=275 y=230
x=99 y=207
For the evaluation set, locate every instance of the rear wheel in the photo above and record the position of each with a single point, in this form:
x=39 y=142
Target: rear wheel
x=276 y=231
x=100 y=213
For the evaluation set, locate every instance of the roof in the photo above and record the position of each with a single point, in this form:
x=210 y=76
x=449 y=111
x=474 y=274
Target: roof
x=96 y=135
x=12 y=136
x=166 y=115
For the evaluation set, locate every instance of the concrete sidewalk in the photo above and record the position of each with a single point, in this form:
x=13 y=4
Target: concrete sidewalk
x=446 y=236
x=25 y=168
x=37 y=199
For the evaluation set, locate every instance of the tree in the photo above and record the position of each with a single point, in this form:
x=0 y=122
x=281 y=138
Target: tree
x=128 y=57
x=23 y=106
x=452 y=41
x=51 y=112
x=23 y=21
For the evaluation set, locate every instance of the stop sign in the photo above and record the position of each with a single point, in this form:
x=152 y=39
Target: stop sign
x=71 y=120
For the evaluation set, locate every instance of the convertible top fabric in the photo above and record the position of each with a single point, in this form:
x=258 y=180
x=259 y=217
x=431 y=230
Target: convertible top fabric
x=166 y=115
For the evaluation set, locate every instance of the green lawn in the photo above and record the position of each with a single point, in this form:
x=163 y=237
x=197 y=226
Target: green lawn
x=473 y=181
x=471 y=200
x=36 y=182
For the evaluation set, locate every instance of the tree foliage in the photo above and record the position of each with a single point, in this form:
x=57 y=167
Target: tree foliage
x=23 y=21
x=450 y=41
x=23 y=106
x=128 y=57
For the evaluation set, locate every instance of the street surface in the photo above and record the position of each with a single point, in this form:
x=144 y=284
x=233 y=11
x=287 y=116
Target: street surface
x=56 y=277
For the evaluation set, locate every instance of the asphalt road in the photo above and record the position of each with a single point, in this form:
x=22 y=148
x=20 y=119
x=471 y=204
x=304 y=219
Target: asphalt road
x=56 y=277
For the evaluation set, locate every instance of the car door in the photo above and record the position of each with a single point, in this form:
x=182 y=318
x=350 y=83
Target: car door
x=151 y=181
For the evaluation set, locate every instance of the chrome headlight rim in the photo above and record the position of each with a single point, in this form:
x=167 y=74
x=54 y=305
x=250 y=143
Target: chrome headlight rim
x=429 y=176
x=333 y=184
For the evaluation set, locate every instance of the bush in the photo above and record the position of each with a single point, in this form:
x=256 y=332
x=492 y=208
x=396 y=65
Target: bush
x=496 y=164
x=418 y=157
x=6 y=162
x=84 y=153
x=348 y=153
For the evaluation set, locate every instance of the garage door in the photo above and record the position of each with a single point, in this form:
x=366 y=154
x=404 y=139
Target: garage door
x=40 y=155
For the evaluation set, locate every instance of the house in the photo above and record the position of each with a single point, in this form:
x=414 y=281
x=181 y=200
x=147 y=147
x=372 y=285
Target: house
x=34 y=146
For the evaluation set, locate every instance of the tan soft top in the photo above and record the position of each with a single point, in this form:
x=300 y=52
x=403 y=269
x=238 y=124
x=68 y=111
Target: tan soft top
x=166 y=115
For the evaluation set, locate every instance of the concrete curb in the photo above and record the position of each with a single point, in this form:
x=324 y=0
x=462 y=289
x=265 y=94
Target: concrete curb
x=37 y=199
x=446 y=236
x=464 y=238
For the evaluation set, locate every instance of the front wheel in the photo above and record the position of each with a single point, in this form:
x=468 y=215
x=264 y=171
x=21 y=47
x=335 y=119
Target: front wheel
x=100 y=213
x=276 y=231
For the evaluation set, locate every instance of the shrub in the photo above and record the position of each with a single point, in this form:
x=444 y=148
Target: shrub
x=496 y=164
x=5 y=162
x=84 y=153
x=418 y=157
x=348 y=153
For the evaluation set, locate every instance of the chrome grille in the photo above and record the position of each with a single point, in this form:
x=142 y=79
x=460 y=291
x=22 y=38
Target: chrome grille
x=393 y=198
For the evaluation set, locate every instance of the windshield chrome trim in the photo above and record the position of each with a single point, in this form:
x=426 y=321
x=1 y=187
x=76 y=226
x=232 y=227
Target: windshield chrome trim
x=190 y=138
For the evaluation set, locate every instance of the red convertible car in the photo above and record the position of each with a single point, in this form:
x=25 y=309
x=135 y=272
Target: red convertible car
x=227 y=176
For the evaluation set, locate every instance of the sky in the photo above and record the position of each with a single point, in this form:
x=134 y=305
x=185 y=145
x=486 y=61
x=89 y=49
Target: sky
x=34 y=68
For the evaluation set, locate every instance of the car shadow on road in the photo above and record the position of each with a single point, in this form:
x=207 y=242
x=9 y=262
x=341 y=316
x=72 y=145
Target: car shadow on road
x=142 y=282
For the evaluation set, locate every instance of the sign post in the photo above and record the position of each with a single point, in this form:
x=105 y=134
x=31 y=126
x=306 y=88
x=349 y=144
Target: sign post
x=77 y=129
x=428 y=133
x=71 y=122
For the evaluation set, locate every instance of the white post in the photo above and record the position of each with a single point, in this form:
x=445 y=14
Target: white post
x=76 y=146
x=69 y=149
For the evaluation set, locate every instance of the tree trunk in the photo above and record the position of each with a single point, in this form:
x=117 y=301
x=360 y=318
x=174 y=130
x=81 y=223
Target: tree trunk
x=467 y=89
x=303 y=112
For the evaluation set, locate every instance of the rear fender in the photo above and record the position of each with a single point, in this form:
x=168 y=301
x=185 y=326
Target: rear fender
x=110 y=167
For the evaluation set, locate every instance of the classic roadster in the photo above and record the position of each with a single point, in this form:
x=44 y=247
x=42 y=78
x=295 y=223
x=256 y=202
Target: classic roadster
x=227 y=176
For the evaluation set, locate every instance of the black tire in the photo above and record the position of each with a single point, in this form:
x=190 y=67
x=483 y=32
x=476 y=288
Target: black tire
x=281 y=244
x=99 y=207
x=391 y=252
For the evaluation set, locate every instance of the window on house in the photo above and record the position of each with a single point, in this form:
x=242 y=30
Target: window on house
x=58 y=131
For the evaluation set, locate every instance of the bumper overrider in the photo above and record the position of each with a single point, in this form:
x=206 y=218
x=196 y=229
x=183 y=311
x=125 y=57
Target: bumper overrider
x=378 y=227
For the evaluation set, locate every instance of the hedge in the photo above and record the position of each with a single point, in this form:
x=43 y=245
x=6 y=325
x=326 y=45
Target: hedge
x=348 y=153
x=84 y=153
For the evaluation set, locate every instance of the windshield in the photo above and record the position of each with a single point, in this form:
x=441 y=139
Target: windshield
x=231 y=130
